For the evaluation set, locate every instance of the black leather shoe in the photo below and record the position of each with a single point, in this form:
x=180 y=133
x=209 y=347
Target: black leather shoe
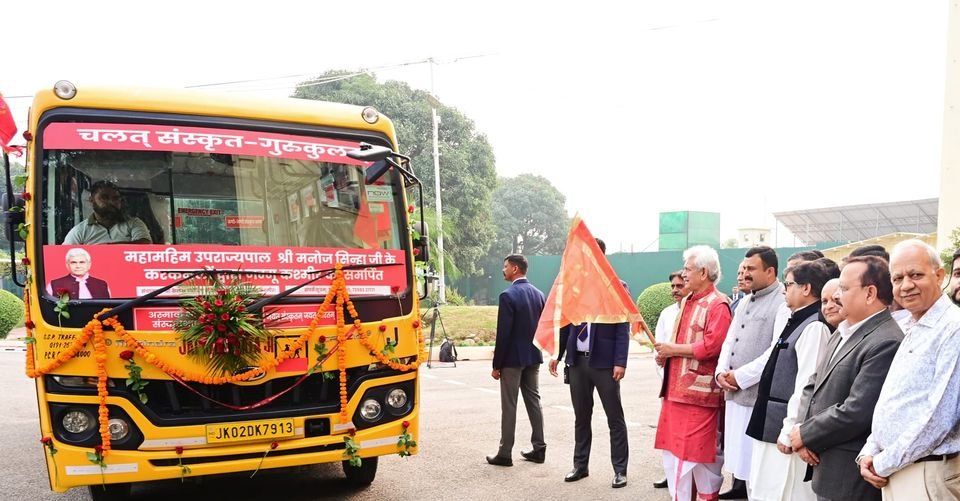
x=499 y=461
x=575 y=475
x=660 y=484
x=535 y=456
x=737 y=491
x=619 y=480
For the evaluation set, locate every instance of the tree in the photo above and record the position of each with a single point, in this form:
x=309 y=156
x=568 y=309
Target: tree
x=467 y=165
x=530 y=215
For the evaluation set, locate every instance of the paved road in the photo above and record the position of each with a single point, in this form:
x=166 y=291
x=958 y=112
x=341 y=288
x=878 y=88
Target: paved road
x=460 y=425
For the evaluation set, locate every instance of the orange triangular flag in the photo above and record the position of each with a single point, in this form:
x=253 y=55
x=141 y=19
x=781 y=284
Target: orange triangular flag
x=586 y=290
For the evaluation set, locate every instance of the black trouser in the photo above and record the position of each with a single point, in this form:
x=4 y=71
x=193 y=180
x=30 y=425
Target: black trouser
x=583 y=379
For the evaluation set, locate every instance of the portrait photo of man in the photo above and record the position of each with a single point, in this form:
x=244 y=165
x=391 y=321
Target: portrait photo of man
x=77 y=282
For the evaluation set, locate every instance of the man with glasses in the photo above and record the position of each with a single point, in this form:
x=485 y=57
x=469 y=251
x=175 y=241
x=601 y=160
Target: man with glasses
x=108 y=224
x=838 y=403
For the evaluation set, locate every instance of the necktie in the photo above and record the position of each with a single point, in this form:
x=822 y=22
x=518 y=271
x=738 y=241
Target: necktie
x=584 y=332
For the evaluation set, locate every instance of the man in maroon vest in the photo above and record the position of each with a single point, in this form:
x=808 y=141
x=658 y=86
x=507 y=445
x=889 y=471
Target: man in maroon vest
x=78 y=283
x=687 y=430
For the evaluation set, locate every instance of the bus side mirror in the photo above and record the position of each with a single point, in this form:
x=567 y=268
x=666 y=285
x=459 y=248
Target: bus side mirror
x=421 y=244
x=13 y=217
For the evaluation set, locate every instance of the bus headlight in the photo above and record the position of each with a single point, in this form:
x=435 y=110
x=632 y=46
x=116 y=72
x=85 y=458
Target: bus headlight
x=119 y=429
x=397 y=398
x=370 y=409
x=370 y=115
x=77 y=421
x=64 y=89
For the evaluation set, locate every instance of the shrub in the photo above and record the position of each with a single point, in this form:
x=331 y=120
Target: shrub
x=11 y=312
x=652 y=301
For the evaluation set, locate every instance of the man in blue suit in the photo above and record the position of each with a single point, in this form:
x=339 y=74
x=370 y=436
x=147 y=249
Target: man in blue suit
x=597 y=358
x=516 y=361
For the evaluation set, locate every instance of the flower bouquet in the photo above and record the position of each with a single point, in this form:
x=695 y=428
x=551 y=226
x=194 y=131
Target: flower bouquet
x=217 y=329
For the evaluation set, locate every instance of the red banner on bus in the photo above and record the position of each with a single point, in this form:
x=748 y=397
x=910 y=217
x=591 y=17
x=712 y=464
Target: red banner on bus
x=147 y=137
x=129 y=270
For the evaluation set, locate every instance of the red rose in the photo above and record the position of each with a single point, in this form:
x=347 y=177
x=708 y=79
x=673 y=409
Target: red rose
x=222 y=327
x=179 y=450
x=416 y=323
x=29 y=324
x=274 y=445
x=224 y=316
x=218 y=302
x=126 y=354
x=46 y=440
x=208 y=329
x=27 y=135
x=26 y=195
x=394 y=289
x=405 y=424
x=416 y=251
x=322 y=339
x=98 y=449
x=237 y=299
x=383 y=328
x=61 y=292
x=353 y=432
x=203 y=339
x=198 y=299
x=206 y=305
x=241 y=308
x=219 y=341
x=25 y=261
x=411 y=209
x=221 y=292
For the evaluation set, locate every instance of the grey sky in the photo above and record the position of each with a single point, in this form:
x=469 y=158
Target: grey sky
x=739 y=107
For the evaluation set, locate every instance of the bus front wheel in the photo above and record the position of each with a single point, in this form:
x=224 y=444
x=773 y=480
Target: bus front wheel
x=362 y=475
x=110 y=492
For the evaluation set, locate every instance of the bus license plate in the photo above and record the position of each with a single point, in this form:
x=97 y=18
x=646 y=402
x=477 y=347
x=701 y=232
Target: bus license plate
x=249 y=431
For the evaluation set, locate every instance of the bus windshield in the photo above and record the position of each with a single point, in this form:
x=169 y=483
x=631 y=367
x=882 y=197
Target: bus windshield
x=205 y=189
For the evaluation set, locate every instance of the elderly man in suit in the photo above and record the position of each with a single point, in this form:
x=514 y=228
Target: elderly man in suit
x=597 y=358
x=840 y=398
x=78 y=283
x=516 y=361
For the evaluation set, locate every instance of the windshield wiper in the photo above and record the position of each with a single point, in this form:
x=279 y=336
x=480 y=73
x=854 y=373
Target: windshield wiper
x=255 y=307
x=210 y=272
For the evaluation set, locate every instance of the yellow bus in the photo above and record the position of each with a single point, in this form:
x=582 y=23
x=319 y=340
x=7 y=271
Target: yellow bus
x=216 y=284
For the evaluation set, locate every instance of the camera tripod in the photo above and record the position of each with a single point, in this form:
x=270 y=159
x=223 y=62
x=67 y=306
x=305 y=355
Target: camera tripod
x=433 y=330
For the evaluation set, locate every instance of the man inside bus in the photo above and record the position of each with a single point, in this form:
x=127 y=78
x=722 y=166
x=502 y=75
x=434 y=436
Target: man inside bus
x=108 y=224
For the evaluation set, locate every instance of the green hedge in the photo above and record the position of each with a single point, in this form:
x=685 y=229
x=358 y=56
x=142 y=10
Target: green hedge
x=11 y=313
x=652 y=301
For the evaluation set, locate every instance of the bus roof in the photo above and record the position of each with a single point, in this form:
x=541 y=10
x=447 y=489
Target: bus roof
x=206 y=103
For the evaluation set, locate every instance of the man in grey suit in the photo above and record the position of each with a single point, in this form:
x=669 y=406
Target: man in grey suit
x=840 y=398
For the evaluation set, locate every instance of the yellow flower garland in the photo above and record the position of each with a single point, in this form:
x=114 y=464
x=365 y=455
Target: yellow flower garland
x=94 y=329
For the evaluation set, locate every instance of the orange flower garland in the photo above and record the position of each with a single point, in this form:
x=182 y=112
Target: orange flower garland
x=94 y=329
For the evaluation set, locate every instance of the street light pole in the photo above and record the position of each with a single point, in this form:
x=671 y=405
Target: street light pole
x=434 y=104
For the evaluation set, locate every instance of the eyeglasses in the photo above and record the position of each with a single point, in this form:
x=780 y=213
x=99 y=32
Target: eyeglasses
x=789 y=283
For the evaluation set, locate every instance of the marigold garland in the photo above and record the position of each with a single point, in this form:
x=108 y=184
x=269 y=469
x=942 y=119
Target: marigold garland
x=94 y=330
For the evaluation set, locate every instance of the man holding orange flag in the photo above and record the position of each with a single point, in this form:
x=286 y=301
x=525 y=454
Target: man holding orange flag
x=687 y=430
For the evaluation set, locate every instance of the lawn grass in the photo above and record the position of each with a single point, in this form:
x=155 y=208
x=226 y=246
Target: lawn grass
x=465 y=325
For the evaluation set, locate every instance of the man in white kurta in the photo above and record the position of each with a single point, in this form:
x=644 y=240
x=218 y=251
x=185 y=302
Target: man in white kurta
x=750 y=334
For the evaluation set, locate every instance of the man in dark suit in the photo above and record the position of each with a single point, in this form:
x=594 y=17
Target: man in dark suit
x=838 y=402
x=597 y=358
x=78 y=283
x=516 y=361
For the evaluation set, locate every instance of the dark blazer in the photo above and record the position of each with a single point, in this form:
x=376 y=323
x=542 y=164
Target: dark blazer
x=517 y=317
x=839 y=402
x=609 y=344
x=98 y=288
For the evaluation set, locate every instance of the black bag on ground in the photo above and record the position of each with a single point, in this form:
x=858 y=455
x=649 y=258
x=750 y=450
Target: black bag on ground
x=448 y=352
